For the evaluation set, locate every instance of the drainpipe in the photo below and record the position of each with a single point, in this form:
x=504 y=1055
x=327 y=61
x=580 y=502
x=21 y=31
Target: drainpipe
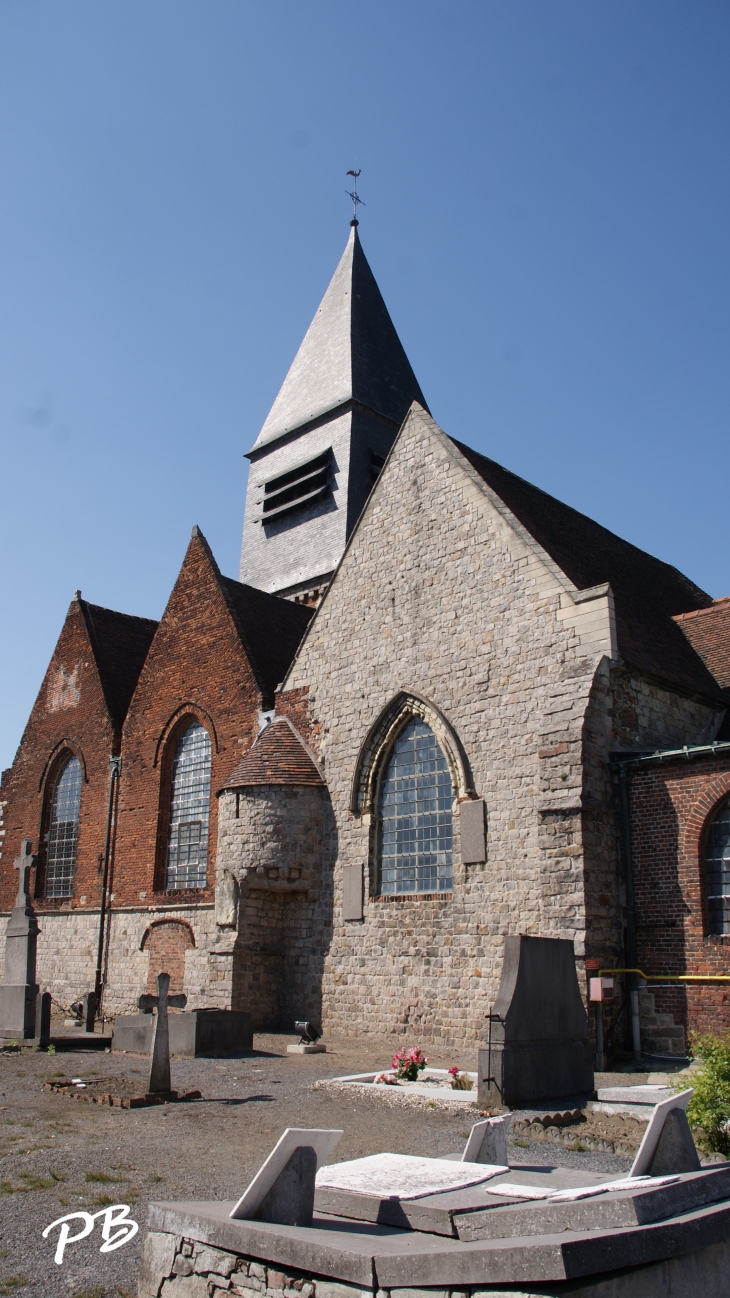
x=115 y=766
x=631 y=957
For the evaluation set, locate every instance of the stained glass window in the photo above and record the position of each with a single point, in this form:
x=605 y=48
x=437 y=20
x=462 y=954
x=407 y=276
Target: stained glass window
x=63 y=830
x=717 y=872
x=187 y=852
x=416 y=828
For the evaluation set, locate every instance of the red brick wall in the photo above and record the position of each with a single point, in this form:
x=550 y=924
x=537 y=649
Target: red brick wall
x=69 y=715
x=671 y=806
x=167 y=941
x=196 y=667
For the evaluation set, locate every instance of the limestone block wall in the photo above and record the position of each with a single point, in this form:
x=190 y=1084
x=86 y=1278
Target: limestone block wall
x=274 y=841
x=438 y=593
x=67 y=949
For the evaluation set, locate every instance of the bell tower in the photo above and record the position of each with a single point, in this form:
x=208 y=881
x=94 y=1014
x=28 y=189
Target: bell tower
x=326 y=436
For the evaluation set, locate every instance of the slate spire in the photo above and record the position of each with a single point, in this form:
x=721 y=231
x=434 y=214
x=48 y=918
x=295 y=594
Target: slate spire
x=351 y=353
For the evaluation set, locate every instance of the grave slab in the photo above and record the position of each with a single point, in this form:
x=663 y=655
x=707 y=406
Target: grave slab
x=192 y=1033
x=612 y=1211
x=402 y=1176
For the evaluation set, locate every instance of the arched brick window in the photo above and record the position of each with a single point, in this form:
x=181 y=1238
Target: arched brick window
x=415 y=825
x=167 y=941
x=187 y=844
x=717 y=871
x=63 y=828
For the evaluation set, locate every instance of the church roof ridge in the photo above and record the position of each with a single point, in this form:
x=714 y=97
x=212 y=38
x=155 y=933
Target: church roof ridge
x=120 y=643
x=350 y=353
x=268 y=627
x=649 y=594
x=278 y=756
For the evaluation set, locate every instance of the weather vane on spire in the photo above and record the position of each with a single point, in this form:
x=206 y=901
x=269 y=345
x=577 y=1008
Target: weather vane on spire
x=353 y=194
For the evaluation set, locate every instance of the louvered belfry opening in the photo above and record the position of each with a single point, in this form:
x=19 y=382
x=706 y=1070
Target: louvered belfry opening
x=304 y=485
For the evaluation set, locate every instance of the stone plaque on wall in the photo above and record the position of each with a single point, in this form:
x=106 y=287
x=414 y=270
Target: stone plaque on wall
x=473 y=828
x=352 y=892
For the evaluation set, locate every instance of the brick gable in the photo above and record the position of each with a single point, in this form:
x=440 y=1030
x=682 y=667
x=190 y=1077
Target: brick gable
x=79 y=709
x=219 y=651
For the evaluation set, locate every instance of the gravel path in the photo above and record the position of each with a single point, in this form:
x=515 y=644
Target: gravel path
x=59 y=1155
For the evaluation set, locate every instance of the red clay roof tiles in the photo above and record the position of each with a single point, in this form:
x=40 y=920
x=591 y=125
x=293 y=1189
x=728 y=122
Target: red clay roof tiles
x=277 y=757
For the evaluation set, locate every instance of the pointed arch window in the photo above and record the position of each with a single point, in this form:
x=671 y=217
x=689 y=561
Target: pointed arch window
x=63 y=829
x=415 y=815
x=187 y=848
x=717 y=871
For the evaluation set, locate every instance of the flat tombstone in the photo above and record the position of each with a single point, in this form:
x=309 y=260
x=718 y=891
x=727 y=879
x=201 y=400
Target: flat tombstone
x=404 y=1176
x=284 y=1184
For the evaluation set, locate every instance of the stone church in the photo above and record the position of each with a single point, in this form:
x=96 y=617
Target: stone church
x=438 y=707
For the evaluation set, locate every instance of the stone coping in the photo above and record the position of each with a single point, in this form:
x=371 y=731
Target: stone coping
x=374 y=1256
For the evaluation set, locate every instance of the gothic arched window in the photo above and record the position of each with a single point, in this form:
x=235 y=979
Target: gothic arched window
x=63 y=829
x=187 y=845
x=415 y=818
x=717 y=871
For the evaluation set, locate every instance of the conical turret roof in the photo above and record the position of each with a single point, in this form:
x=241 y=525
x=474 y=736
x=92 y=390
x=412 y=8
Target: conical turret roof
x=350 y=353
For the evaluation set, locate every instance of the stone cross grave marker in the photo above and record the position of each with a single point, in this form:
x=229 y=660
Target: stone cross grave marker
x=19 y=991
x=159 y=1081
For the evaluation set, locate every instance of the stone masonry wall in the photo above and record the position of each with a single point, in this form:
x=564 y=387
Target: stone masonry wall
x=442 y=594
x=67 y=950
x=272 y=841
x=174 y=1266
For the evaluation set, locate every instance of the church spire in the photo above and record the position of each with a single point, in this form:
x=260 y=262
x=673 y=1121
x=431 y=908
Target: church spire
x=326 y=437
x=350 y=353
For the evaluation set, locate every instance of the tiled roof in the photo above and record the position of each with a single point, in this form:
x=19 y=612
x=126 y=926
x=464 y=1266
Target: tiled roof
x=648 y=593
x=277 y=757
x=271 y=629
x=708 y=631
x=120 y=643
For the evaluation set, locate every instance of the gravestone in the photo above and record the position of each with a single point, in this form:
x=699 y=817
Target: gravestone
x=282 y=1190
x=676 y=1150
x=159 y=1079
x=538 y=1046
x=19 y=990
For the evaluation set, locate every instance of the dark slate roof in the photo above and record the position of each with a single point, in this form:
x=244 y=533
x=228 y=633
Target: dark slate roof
x=708 y=631
x=648 y=593
x=270 y=628
x=120 y=643
x=277 y=757
x=350 y=353
x=382 y=378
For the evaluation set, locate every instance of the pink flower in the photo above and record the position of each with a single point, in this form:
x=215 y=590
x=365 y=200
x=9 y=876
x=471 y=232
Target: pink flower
x=454 y=1072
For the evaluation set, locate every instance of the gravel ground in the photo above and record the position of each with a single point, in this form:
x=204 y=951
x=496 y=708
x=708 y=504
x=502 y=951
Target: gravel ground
x=59 y=1155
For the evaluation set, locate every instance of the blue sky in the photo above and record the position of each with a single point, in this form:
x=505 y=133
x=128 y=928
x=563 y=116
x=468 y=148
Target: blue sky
x=546 y=189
